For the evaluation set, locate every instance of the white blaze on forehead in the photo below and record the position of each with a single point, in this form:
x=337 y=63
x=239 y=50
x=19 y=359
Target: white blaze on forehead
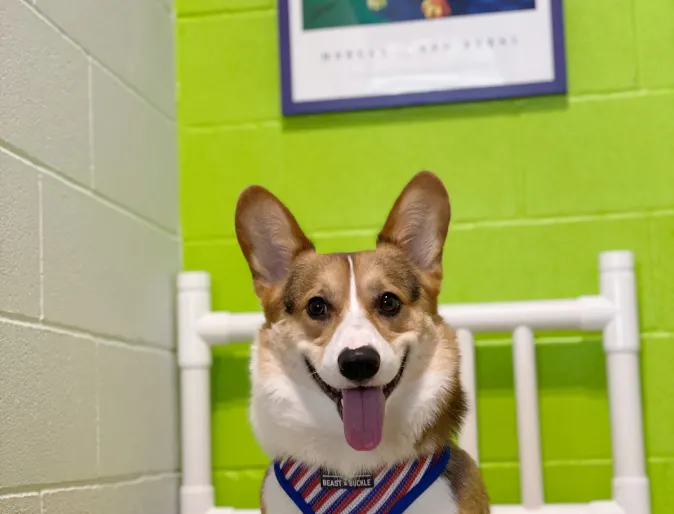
x=357 y=329
x=356 y=315
x=354 y=305
x=353 y=332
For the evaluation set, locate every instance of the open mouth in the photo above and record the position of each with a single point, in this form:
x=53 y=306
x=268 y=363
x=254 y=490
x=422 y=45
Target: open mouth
x=361 y=408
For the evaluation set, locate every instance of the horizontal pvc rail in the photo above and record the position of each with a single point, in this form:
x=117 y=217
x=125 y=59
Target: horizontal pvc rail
x=614 y=312
x=603 y=507
x=585 y=313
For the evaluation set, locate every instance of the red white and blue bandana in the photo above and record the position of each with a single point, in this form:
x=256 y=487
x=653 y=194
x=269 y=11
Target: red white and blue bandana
x=386 y=491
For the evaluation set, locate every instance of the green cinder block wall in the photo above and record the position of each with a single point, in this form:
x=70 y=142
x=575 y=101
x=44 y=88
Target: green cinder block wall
x=539 y=186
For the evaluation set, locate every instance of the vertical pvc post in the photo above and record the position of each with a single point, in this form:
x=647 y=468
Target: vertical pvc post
x=194 y=359
x=468 y=436
x=528 y=423
x=622 y=347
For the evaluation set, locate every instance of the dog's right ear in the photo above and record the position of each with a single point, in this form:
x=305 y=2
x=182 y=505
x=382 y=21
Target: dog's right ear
x=269 y=237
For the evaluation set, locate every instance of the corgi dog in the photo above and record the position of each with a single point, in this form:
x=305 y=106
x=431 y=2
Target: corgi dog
x=356 y=393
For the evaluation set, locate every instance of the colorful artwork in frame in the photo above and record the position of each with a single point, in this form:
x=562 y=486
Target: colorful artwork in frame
x=344 y=55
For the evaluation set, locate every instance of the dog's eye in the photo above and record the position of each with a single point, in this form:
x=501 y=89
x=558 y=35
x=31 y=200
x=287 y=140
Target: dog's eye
x=317 y=308
x=389 y=304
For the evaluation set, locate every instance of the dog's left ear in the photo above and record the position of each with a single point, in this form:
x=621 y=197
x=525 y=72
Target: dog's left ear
x=419 y=221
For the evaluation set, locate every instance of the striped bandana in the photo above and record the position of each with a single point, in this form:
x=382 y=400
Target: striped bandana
x=386 y=491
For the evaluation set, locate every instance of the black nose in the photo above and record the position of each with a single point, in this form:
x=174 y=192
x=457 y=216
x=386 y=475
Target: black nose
x=360 y=364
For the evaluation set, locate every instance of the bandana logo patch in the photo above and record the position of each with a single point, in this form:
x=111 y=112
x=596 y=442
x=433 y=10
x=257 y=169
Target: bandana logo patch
x=332 y=481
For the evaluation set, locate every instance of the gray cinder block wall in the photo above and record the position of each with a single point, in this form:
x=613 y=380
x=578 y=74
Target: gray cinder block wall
x=89 y=249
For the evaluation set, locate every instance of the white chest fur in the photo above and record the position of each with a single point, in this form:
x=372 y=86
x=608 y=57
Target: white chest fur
x=437 y=499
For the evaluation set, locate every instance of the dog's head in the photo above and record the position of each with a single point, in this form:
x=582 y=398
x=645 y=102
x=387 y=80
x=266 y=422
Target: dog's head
x=353 y=367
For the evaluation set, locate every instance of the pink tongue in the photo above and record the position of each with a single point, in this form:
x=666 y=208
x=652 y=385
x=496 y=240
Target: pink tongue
x=363 y=416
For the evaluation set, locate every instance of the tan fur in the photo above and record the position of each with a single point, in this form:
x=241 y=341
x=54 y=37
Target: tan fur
x=453 y=408
x=287 y=273
x=263 y=507
x=466 y=481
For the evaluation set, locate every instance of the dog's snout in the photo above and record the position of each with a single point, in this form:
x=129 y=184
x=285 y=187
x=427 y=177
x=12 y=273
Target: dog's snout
x=359 y=364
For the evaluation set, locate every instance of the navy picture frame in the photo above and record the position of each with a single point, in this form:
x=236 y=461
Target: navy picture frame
x=558 y=85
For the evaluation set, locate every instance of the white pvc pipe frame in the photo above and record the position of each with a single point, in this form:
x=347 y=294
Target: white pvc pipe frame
x=614 y=312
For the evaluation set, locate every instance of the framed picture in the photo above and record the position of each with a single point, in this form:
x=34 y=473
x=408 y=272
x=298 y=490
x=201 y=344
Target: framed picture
x=343 y=55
